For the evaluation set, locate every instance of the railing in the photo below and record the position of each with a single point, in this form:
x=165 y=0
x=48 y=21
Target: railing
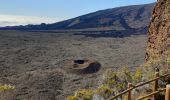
x=155 y=89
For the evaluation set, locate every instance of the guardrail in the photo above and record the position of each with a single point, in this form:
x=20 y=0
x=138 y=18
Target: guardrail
x=155 y=89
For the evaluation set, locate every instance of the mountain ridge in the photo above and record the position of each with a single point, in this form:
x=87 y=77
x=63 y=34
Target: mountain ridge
x=120 y=18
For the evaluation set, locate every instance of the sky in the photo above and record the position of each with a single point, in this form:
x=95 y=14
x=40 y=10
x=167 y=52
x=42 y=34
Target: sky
x=17 y=12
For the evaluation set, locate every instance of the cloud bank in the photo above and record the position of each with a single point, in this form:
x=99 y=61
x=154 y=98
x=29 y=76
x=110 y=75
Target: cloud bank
x=13 y=20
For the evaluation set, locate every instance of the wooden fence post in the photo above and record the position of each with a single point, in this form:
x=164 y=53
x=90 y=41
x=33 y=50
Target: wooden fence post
x=129 y=93
x=167 y=95
x=155 y=86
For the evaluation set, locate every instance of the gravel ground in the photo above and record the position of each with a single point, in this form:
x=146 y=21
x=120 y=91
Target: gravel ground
x=36 y=62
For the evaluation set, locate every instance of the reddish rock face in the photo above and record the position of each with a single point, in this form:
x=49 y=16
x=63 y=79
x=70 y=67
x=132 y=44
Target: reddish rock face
x=159 y=31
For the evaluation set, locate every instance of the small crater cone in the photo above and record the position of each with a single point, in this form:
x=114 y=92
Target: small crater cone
x=85 y=66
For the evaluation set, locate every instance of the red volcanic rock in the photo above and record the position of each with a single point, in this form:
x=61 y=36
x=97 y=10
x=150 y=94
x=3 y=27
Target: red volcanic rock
x=159 y=32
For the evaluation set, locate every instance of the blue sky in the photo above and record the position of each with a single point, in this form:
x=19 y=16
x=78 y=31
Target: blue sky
x=37 y=11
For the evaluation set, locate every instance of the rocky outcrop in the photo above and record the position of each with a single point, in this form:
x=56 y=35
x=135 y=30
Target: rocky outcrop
x=159 y=31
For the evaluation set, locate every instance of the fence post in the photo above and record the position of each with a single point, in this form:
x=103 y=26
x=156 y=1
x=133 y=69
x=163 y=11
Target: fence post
x=155 y=86
x=129 y=93
x=167 y=95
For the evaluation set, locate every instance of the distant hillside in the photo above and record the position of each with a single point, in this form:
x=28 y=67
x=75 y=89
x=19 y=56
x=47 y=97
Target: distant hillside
x=121 y=18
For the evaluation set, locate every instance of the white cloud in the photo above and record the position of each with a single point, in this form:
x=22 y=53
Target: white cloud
x=12 y=20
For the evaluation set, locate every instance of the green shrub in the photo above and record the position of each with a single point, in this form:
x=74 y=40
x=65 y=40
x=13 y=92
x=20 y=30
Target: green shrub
x=111 y=78
x=137 y=77
x=105 y=91
x=6 y=87
x=72 y=98
x=127 y=74
x=85 y=94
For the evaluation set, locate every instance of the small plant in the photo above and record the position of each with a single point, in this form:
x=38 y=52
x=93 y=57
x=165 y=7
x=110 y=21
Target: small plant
x=72 y=98
x=105 y=91
x=168 y=8
x=85 y=94
x=137 y=77
x=6 y=87
x=120 y=87
x=127 y=74
x=111 y=78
